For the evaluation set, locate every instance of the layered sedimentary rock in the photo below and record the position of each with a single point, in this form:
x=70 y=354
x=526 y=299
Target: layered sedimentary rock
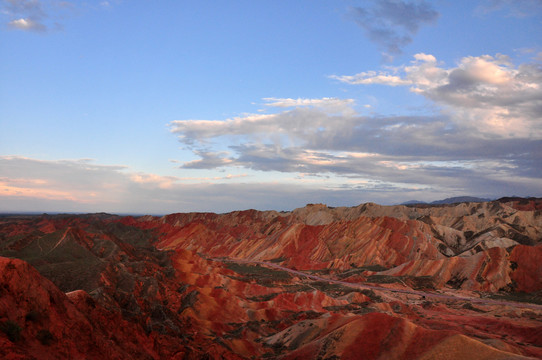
x=395 y=282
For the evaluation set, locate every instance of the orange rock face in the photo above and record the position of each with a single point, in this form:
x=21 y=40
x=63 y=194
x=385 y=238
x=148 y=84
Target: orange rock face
x=459 y=281
x=45 y=323
x=527 y=263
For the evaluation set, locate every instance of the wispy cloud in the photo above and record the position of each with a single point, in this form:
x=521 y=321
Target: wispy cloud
x=392 y=23
x=34 y=185
x=28 y=184
x=27 y=25
x=331 y=105
x=26 y=15
x=516 y=8
x=208 y=160
x=42 y=15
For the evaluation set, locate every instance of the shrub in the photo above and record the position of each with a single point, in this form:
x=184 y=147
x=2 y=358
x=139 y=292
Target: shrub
x=32 y=316
x=11 y=329
x=45 y=337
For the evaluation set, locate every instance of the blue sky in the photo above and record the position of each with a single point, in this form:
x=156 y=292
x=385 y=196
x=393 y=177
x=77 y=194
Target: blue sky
x=176 y=106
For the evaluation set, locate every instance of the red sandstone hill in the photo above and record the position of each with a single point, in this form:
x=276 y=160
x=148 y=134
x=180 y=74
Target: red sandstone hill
x=459 y=281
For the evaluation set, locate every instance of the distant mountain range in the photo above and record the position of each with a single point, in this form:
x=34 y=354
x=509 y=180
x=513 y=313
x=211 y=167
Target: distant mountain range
x=452 y=200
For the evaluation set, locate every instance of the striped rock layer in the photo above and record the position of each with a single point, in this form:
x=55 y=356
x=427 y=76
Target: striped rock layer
x=367 y=282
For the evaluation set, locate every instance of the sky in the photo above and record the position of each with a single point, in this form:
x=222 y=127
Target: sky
x=156 y=107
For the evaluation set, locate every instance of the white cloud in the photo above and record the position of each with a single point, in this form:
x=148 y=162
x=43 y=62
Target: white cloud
x=26 y=15
x=372 y=77
x=487 y=136
x=332 y=105
x=163 y=182
x=324 y=102
x=39 y=15
x=422 y=72
x=27 y=25
x=486 y=93
x=292 y=126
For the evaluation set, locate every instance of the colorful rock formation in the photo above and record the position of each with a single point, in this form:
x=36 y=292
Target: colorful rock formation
x=370 y=282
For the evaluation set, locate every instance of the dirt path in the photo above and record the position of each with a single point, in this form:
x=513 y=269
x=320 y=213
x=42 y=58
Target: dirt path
x=421 y=294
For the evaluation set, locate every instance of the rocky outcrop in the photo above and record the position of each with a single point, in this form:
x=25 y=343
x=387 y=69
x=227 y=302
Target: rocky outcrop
x=399 y=282
x=41 y=322
x=378 y=336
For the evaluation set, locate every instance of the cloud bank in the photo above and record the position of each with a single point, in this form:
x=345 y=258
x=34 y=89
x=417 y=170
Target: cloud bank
x=33 y=185
x=486 y=94
x=486 y=140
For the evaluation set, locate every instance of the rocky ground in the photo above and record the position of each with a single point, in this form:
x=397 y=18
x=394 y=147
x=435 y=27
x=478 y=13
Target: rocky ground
x=460 y=281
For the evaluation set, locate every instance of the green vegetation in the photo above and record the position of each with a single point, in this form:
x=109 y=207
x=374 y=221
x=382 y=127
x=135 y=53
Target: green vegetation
x=469 y=306
x=262 y=275
x=261 y=298
x=12 y=330
x=384 y=279
x=32 y=316
x=415 y=282
x=338 y=290
x=45 y=337
x=332 y=289
x=318 y=271
x=354 y=307
x=360 y=270
x=188 y=301
x=533 y=298
x=297 y=288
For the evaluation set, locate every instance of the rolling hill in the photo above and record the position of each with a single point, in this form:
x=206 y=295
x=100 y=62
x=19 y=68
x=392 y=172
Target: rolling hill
x=422 y=281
